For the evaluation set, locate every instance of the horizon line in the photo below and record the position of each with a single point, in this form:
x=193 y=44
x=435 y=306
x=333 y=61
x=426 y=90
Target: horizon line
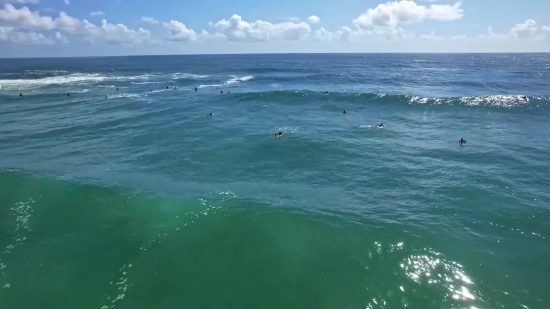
x=282 y=53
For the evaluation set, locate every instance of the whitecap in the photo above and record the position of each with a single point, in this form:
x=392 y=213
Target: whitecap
x=236 y=80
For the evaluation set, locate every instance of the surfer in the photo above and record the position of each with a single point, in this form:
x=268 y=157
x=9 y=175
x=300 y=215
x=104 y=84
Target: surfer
x=20 y=94
x=117 y=89
x=344 y=112
x=267 y=105
x=524 y=97
x=381 y=125
x=221 y=92
x=462 y=142
x=195 y=88
x=305 y=111
x=175 y=87
x=68 y=94
x=210 y=115
x=279 y=134
x=326 y=92
x=167 y=87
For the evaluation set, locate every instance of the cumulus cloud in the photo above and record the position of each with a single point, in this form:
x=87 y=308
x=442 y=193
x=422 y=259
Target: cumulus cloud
x=313 y=20
x=24 y=18
x=149 y=20
x=236 y=29
x=97 y=13
x=391 y=14
x=525 y=30
x=61 y=38
x=179 y=32
x=111 y=33
x=345 y=34
x=9 y=34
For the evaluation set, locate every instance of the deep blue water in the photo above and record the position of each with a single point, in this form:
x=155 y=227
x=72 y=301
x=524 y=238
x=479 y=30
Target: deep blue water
x=336 y=213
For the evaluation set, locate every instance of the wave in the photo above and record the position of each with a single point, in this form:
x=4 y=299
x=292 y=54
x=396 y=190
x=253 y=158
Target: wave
x=188 y=76
x=495 y=101
x=21 y=84
x=237 y=80
x=90 y=78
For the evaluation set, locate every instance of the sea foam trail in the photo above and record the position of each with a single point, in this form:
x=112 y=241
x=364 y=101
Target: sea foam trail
x=91 y=78
x=21 y=84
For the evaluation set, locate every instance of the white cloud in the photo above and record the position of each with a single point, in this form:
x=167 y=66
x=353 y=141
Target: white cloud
x=61 y=38
x=391 y=14
x=546 y=30
x=525 y=30
x=291 y=19
x=20 y=1
x=345 y=34
x=236 y=29
x=313 y=20
x=111 y=33
x=117 y=33
x=97 y=13
x=9 y=34
x=24 y=18
x=150 y=20
x=67 y=2
x=179 y=32
x=446 y=12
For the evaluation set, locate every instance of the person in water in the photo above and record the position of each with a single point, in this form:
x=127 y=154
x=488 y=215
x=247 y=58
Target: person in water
x=117 y=89
x=524 y=97
x=279 y=134
x=326 y=92
x=305 y=111
x=167 y=87
x=267 y=105
x=68 y=94
x=175 y=87
x=462 y=142
x=344 y=112
x=195 y=88
x=20 y=94
x=221 y=92
x=210 y=115
x=381 y=125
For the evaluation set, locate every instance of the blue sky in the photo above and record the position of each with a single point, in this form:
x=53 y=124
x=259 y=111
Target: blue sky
x=122 y=27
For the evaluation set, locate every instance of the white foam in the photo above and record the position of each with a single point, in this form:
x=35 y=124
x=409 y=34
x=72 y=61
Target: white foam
x=188 y=76
x=19 y=84
x=236 y=80
x=209 y=86
x=145 y=83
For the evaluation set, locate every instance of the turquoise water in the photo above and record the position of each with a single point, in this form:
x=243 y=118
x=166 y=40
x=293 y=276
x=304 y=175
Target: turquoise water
x=132 y=198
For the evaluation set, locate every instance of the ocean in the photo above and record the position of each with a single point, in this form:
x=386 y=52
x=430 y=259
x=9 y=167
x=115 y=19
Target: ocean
x=117 y=191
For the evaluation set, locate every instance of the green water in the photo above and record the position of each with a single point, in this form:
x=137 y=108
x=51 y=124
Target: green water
x=81 y=246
